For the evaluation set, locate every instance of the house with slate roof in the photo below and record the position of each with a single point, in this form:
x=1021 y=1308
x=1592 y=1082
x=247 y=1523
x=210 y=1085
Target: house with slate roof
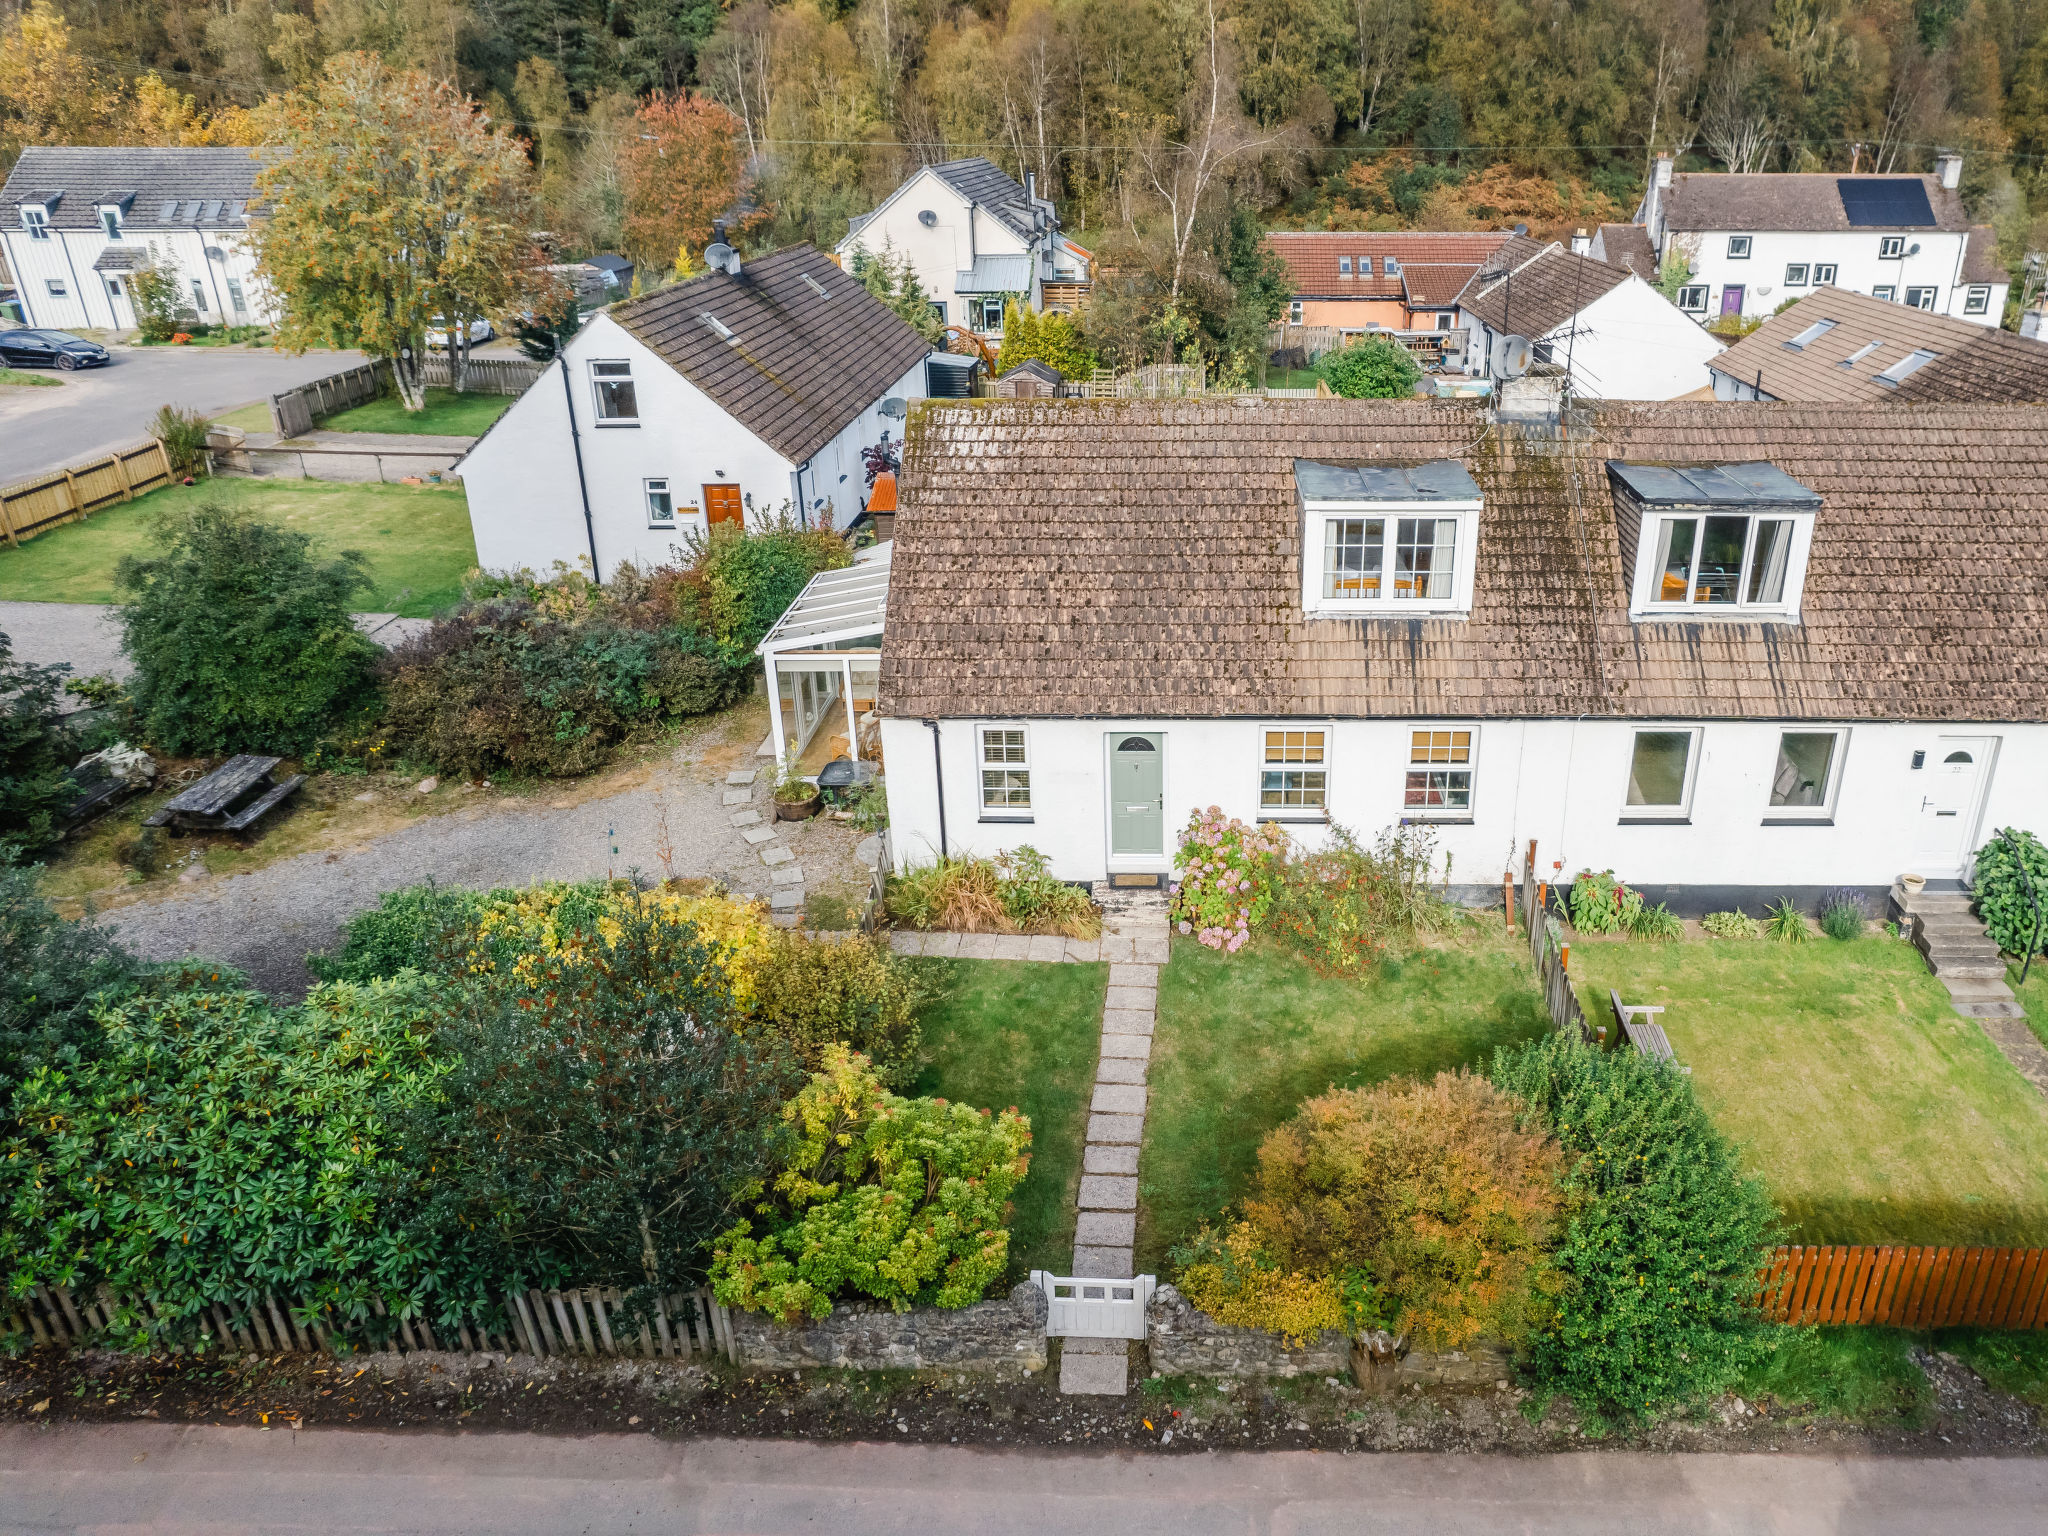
x=76 y=224
x=1755 y=241
x=1731 y=652
x=723 y=399
x=976 y=240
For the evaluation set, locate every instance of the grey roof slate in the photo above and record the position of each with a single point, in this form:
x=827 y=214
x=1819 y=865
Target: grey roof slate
x=1439 y=480
x=1788 y=200
x=165 y=188
x=799 y=364
x=988 y=184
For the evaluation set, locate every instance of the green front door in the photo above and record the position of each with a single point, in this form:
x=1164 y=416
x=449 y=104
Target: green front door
x=1137 y=795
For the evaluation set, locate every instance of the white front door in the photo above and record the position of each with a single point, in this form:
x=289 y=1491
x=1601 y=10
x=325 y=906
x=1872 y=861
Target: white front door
x=1948 y=788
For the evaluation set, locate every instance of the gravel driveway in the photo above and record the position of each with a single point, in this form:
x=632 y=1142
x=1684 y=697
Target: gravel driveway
x=266 y=922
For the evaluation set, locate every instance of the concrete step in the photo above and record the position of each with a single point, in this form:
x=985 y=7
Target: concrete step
x=1932 y=901
x=1939 y=947
x=1979 y=991
x=1987 y=1008
x=1947 y=922
x=1977 y=970
x=1094 y=1367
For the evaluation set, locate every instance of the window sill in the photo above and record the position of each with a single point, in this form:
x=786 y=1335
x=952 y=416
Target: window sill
x=1656 y=821
x=603 y=424
x=1014 y=821
x=1714 y=615
x=1448 y=819
x=1294 y=821
x=1798 y=821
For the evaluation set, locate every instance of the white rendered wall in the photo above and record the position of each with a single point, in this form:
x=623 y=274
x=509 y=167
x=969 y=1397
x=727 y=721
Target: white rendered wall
x=941 y=252
x=836 y=473
x=1854 y=252
x=69 y=254
x=1632 y=343
x=1557 y=781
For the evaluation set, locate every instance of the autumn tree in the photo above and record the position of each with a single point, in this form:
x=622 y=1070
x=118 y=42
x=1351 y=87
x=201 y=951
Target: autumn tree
x=681 y=171
x=49 y=93
x=398 y=208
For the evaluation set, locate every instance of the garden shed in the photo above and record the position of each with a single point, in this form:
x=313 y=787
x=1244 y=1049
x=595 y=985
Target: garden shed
x=823 y=659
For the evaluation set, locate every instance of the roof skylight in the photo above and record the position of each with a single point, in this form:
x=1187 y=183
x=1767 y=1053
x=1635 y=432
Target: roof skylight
x=1810 y=335
x=1906 y=366
x=1860 y=353
x=719 y=329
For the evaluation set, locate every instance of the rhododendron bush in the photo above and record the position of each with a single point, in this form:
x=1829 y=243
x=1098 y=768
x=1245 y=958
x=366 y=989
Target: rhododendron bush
x=1227 y=870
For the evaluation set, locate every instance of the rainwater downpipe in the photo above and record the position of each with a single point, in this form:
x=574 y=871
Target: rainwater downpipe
x=939 y=775
x=583 y=485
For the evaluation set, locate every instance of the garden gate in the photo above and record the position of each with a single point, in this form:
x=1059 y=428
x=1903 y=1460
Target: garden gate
x=1084 y=1308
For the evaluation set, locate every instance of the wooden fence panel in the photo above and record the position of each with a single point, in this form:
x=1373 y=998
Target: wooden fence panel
x=1897 y=1286
x=75 y=492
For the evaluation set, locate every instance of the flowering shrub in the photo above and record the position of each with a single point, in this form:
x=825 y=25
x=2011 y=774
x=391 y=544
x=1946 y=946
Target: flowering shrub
x=1602 y=904
x=1338 y=908
x=1235 y=1281
x=522 y=931
x=1227 y=870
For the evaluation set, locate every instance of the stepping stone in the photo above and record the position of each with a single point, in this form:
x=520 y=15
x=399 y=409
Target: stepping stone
x=1130 y=1047
x=1120 y=1069
x=907 y=941
x=1143 y=999
x=869 y=852
x=978 y=946
x=1127 y=1021
x=1118 y=1099
x=1013 y=946
x=741 y=776
x=1083 y=951
x=746 y=818
x=792 y=875
x=1117 y=947
x=1151 y=951
x=739 y=797
x=1047 y=946
x=1089 y=1374
x=786 y=901
x=1133 y=975
x=786 y=919
x=1100 y=1159
x=776 y=855
x=1108 y=1192
x=1105 y=1229
x=1102 y=1263
x=1117 y=1128
x=758 y=835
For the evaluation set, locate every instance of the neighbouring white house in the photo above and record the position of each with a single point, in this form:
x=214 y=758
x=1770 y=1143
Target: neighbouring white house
x=723 y=399
x=77 y=223
x=1755 y=241
x=1616 y=335
x=1732 y=654
x=976 y=240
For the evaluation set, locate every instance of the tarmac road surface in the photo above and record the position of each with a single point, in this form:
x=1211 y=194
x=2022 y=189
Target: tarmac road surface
x=170 y=1481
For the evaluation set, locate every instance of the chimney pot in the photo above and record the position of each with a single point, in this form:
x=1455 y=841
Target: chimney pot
x=1948 y=169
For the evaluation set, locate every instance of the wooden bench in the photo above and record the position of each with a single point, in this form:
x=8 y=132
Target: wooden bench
x=232 y=798
x=1642 y=1030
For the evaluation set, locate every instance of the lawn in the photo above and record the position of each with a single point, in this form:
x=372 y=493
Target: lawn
x=254 y=417
x=2033 y=996
x=1010 y=1032
x=29 y=380
x=1243 y=1039
x=417 y=537
x=1871 y=1109
x=447 y=414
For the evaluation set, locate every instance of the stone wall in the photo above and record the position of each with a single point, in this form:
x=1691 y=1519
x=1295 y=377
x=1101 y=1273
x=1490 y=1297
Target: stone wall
x=1478 y=1364
x=1185 y=1342
x=1005 y=1336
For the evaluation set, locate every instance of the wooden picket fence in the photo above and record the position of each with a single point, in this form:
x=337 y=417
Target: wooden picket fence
x=295 y=412
x=70 y=495
x=574 y=1322
x=1551 y=959
x=1903 y=1287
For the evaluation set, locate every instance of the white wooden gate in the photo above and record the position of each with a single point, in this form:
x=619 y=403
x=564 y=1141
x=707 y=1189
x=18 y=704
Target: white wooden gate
x=1083 y=1308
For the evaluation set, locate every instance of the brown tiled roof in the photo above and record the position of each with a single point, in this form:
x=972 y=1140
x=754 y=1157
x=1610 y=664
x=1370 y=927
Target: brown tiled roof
x=1972 y=362
x=1546 y=287
x=1794 y=200
x=799 y=364
x=1142 y=558
x=1980 y=257
x=1627 y=245
x=1448 y=260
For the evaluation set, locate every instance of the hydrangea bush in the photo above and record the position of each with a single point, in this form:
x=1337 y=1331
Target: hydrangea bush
x=1227 y=870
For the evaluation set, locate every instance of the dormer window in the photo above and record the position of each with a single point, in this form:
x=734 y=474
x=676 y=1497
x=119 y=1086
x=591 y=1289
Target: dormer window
x=36 y=220
x=1387 y=539
x=1392 y=265
x=110 y=221
x=1713 y=541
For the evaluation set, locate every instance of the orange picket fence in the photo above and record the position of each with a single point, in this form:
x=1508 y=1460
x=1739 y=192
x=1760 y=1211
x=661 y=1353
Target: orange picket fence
x=1905 y=1287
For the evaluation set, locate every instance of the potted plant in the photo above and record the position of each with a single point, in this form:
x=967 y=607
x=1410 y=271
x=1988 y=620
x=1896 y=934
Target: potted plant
x=796 y=798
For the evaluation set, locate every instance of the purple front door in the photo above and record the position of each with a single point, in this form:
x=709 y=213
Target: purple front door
x=1731 y=299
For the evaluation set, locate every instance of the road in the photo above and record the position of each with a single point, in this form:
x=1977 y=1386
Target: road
x=169 y=1480
x=97 y=408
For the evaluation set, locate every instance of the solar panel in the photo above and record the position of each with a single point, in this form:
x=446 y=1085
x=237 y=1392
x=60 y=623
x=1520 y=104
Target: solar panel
x=1893 y=202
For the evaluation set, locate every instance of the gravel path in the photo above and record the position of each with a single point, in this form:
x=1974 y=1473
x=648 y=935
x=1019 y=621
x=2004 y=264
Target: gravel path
x=265 y=922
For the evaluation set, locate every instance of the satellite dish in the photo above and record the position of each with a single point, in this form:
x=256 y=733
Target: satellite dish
x=722 y=258
x=215 y=253
x=1512 y=359
x=894 y=406
x=1913 y=249
x=928 y=218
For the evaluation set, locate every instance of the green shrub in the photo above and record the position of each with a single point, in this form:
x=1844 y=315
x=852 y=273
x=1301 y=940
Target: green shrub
x=51 y=970
x=1842 y=915
x=901 y=1200
x=1376 y=368
x=1602 y=904
x=1664 y=1235
x=1785 y=922
x=740 y=582
x=425 y=928
x=1339 y=908
x=1010 y=893
x=2009 y=881
x=158 y=297
x=241 y=640
x=1226 y=875
x=851 y=991
x=1731 y=925
x=183 y=434
x=36 y=754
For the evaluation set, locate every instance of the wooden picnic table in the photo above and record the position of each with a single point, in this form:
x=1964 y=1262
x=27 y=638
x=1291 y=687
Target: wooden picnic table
x=232 y=798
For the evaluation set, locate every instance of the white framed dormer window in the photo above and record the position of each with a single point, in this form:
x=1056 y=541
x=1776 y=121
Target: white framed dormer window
x=1738 y=247
x=110 y=221
x=1726 y=541
x=1294 y=773
x=1721 y=562
x=1440 y=767
x=36 y=220
x=611 y=382
x=1806 y=776
x=1343 y=266
x=1976 y=300
x=1663 y=762
x=1387 y=540
x=1796 y=273
x=661 y=505
x=1891 y=248
x=1824 y=273
x=1692 y=298
x=1005 y=773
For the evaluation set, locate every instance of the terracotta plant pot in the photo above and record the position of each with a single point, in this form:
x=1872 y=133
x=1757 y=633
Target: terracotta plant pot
x=1913 y=884
x=799 y=810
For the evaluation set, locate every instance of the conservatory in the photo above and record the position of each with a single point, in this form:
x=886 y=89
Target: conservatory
x=823 y=660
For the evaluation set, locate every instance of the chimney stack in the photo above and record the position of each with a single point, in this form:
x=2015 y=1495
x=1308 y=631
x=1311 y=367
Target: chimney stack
x=1948 y=169
x=1582 y=243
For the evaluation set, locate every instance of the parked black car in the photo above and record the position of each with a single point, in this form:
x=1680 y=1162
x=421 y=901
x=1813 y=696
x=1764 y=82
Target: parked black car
x=51 y=349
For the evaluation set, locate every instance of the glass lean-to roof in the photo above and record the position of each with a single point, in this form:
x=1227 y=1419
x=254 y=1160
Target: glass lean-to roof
x=836 y=605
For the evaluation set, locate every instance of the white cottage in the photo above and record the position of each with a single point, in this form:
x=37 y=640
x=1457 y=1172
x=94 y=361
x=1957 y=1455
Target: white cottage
x=976 y=240
x=717 y=400
x=77 y=223
x=1617 y=336
x=1730 y=652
